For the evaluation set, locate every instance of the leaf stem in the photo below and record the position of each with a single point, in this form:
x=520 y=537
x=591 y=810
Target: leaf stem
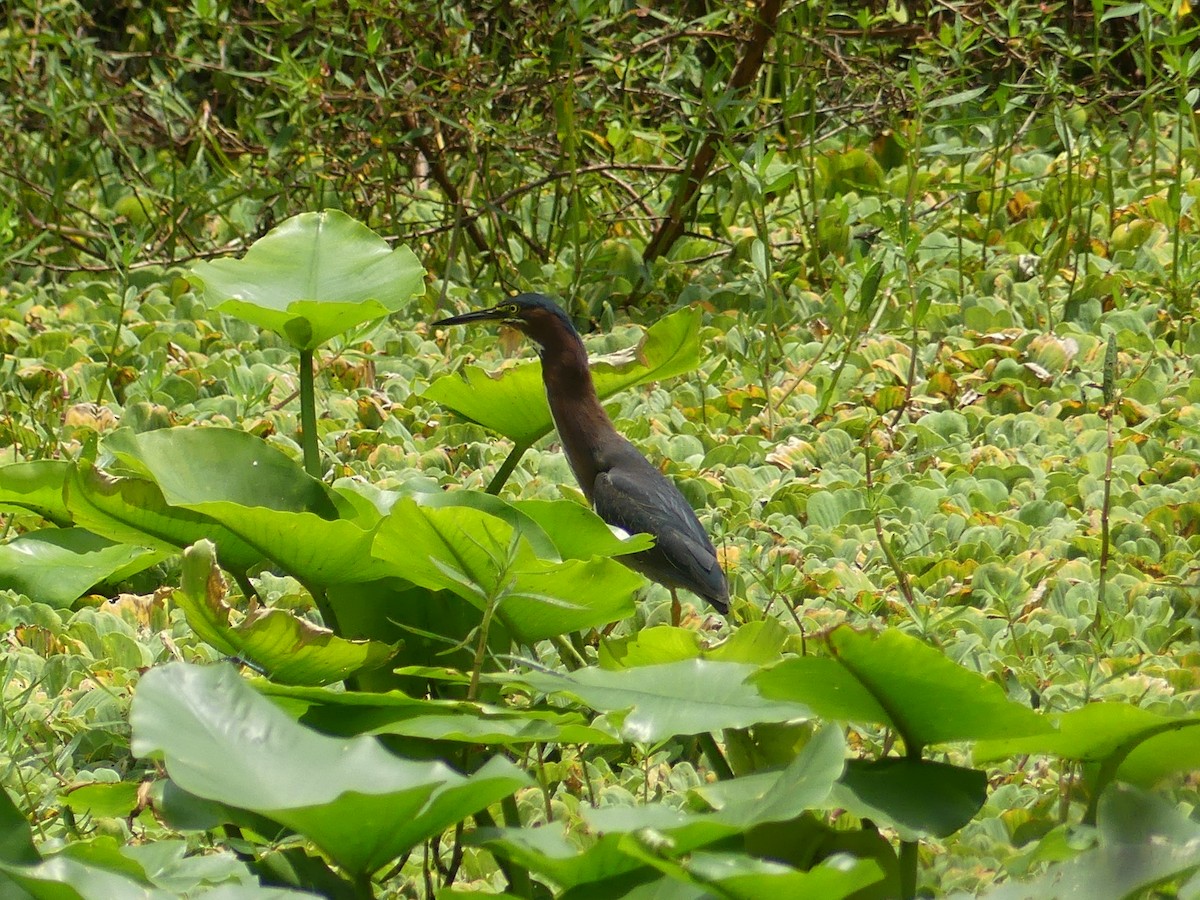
x=908 y=868
x=308 y=416
x=716 y=759
x=505 y=470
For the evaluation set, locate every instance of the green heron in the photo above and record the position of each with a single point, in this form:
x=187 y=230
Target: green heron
x=625 y=489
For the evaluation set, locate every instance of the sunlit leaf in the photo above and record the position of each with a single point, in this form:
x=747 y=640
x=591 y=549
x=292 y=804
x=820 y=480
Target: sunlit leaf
x=57 y=566
x=479 y=556
x=313 y=277
x=688 y=697
x=1146 y=746
x=291 y=650
x=889 y=678
x=36 y=486
x=1143 y=840
x=513 y=402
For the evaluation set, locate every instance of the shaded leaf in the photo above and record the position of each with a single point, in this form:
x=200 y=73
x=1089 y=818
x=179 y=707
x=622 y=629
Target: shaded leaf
x=352 y=712
x=918 y=797
x=222 y=741
x=16 y=837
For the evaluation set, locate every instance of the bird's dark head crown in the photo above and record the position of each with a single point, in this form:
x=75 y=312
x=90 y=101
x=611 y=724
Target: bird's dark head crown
x=535 y=314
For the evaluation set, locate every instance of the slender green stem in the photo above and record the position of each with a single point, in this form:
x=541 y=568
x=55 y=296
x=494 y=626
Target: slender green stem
x=908 y=869
x=308 y=416
x=518 y=876
x=507 y=468
x=363 y=887
x=110 y=364
x=568 y=653
x=481 y=648
x=715 y=757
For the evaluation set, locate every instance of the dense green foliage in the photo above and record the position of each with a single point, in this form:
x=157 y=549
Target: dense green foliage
x=902 y=295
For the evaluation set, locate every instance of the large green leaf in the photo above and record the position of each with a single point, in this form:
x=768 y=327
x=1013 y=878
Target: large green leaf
x=62 y=878
x=734 y=875
x=291 y=650
x=889 y=678
x=743 y=877
x=57 y=566
x=313 y=277
x=691 y=696
x=513 y=402
x=36 y=486
x=392 y=712
x=577 y=532
x=480 y=557
x=1142 y=746
x=102 y=869
x=250 y=499
x=220 y=740
x=192 y=466
x=132 y=509
x=918 y=797
x=1143 y=841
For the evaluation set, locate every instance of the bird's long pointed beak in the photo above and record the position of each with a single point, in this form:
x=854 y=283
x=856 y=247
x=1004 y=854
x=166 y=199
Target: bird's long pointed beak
x=492 y=314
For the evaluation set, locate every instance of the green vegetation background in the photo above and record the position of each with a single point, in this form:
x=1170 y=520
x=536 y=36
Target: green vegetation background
x=946 y=257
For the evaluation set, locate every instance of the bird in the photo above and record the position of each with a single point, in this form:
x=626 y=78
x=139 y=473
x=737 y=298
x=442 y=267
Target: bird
x=624 y=488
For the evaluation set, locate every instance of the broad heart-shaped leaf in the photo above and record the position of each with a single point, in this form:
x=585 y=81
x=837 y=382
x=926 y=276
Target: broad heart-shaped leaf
x=247 y=497
x=57 y=566
x=132 y=509
x=37 y=486
x=691 y=696
x=1143 y=841
x=734 y=875
x=62 y=878
x=918 y=797
x=291 y=650
x=513 y=402
x=222 y=741
x=1144 y=746
x=479 y=556
x=347 y=713
x=313 y=277
x=91 y=871
x=207 y=465
x=889 y=678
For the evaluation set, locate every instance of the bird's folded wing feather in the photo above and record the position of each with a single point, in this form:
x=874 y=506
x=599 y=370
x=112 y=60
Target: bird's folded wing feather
x=653 y=506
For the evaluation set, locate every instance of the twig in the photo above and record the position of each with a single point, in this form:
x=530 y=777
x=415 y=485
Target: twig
x=747 y=68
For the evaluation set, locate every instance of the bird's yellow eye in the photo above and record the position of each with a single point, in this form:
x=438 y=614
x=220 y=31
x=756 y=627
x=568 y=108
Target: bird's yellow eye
x=512 y=309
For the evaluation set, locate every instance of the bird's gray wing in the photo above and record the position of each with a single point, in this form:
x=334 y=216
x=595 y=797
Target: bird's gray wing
x=641 y=499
